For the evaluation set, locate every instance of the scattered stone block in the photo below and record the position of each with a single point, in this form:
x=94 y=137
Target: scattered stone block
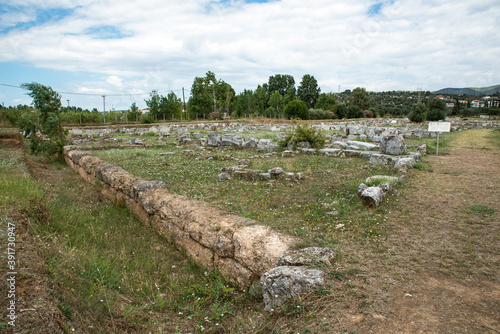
x=393 y=145
x=372 y=196
x=282 y=283
x=224 y=176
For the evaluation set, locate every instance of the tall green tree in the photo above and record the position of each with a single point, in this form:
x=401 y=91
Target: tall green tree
x=276 y=102
x=153 y=104
x=281 y=83
x=326 y=101
x=360 y=98
x=46 y=134
x=437 y=110
x=296 y=109
x=261 y=98
x=308 y=90
x=418 y=112
x=209 y=95
x=170 y=106
x=245 y=103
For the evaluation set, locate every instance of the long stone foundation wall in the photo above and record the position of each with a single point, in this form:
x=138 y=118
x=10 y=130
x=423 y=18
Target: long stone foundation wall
x=239 y=247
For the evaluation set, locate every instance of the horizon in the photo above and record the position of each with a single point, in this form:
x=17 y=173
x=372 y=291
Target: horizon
x=124 y=47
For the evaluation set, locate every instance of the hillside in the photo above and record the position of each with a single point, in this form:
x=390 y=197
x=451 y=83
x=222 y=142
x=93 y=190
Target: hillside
x=481 y=91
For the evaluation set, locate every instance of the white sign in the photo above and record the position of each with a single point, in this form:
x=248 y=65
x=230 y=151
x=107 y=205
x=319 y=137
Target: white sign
x=439 y=126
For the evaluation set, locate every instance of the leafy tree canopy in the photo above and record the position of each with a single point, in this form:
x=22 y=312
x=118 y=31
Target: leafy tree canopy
x=296 y=109
x=281 y=83
x=308 y=90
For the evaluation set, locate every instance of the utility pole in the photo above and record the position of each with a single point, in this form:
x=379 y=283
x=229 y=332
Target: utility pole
x=68 y=104
x=104 y=107
x=184 y=99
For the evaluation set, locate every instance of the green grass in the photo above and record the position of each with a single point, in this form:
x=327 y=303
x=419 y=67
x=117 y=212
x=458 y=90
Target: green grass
x=296 y=207
x=104 y=265
x=480 y=210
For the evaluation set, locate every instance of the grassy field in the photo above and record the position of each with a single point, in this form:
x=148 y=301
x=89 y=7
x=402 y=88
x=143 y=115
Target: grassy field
x=104 y=272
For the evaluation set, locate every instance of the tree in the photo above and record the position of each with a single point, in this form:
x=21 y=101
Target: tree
x=261 y=98
x=360 y=98
x=46 y=135
x=456 y=107
x=276 y=102
x=296 y=109
x=281 y=83
x=245 y=103
x=354 y=111
x=437 y=110
x=341 y=110
x=308 y=90
x=170 y=106
x=153 y=104
x=134 y=112
x=209 y=95
x=418 y=112
x=326 y=102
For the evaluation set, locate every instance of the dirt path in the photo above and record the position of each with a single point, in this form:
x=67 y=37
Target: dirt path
x=441 y=273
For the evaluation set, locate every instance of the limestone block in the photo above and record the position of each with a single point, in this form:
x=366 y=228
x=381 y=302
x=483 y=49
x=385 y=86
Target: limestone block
x=363 y=145
x=212 y=231
x=393 y=145
x=403 y=164
x=259 y=248
x=213 y=139
x=232 y=140
x=282 y=283
x=372 y=196
x=309 y=255
x=235 y=272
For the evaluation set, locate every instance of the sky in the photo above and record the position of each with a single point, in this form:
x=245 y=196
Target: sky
x=125 y=49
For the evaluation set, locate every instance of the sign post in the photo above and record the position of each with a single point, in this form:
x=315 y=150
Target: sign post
x=439 y=127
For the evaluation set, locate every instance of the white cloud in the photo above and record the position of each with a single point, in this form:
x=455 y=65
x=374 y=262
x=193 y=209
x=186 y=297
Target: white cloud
x=408 y=44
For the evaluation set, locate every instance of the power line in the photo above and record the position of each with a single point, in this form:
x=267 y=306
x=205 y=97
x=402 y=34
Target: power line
x=99 y=94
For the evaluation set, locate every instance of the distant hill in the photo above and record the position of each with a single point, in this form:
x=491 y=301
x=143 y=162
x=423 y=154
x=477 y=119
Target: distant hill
x=481 y=91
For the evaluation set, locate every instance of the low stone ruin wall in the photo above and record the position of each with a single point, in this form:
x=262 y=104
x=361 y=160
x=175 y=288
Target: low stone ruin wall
x=239 y=247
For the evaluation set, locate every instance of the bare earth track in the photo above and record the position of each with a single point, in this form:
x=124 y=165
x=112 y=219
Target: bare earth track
x=441 y=269
x=438 y=271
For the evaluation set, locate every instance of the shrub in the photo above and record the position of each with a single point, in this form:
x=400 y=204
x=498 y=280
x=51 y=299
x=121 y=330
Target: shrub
x=331 y=113
x=354 y=112
x=435 y=115
x=296 y=109
x=341 y=110
x=319 y=114
x=214 y=115
x=304 y=133
x=418 y=112
x=368 y=113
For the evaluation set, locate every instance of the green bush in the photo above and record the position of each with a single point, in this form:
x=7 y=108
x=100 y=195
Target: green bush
x=435 y=115
x=296 y=109
x=319 y=114
x=418 y=112
x=354 y=112
x=304 y=133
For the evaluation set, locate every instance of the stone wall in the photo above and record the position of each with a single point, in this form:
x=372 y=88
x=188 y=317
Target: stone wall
x=242 y=249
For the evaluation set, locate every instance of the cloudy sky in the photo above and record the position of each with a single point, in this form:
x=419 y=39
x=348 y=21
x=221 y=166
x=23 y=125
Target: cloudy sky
x=126 y=48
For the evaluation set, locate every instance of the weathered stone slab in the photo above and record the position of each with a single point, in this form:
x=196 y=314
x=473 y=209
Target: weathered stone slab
x=259 y=248
x=393 y=145
x=282 y=283
x=363 y=145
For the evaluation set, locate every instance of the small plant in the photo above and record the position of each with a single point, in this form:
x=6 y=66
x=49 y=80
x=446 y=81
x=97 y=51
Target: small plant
x=480 y=210
x=304 y=133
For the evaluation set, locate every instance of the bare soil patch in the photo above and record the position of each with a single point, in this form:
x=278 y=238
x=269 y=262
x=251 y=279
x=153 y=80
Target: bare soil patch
x=439 y=269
